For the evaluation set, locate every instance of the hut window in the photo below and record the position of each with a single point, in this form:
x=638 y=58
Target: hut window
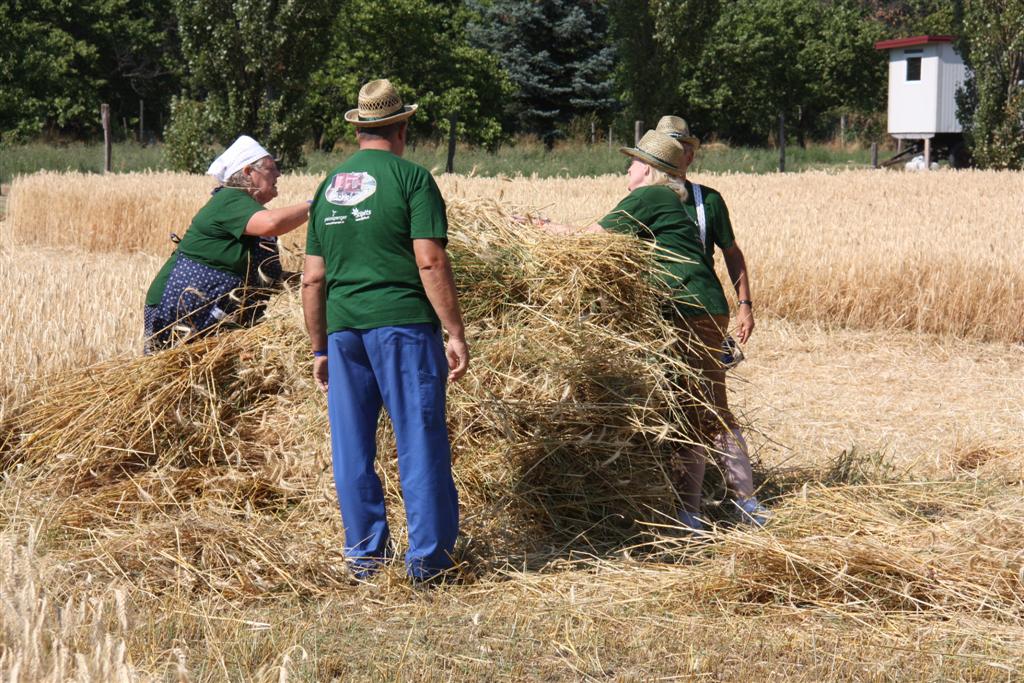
x=913 y=64
x=913 y=68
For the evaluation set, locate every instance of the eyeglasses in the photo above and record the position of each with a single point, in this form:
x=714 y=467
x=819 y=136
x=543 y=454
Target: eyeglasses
x=271 y=170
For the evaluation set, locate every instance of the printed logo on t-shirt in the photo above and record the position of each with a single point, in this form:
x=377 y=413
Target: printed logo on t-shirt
x=335 y=219
x=348 y=189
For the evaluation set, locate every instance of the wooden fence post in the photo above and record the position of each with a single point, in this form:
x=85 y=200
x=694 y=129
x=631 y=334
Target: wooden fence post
x=638 y=128
x=142 y=140
x=782 y=142
x=105 y=120
x=874 y=155
x=927 y=154
x=593 y=132
x=609 y=137
x=449 y=167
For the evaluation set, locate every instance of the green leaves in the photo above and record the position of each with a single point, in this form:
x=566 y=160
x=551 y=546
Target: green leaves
x=558 y=56
x=991 y=107
x=250 y=63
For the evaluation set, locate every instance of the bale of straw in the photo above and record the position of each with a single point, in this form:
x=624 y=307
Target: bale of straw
x=207 y=464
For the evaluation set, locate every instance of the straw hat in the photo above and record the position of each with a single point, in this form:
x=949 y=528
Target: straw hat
x=677 y=128
x=660 y=151
x=379 y=105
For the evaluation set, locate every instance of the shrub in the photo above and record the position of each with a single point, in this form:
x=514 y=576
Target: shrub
x=187 y=137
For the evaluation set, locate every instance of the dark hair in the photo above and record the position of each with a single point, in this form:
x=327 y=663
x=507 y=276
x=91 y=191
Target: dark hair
x=381 y=132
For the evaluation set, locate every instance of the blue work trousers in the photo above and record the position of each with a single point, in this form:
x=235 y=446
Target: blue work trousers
x=404 y=369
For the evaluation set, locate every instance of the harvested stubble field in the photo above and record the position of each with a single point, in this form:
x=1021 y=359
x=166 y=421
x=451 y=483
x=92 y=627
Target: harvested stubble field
x=173 y=518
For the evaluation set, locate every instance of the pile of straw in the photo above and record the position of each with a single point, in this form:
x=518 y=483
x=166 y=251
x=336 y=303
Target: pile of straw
x=207 y=466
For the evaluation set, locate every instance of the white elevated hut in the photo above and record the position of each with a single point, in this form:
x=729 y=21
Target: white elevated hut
x=924 y=75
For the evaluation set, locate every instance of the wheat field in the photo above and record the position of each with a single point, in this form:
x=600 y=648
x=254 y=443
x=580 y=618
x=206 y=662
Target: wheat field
x=883 y=391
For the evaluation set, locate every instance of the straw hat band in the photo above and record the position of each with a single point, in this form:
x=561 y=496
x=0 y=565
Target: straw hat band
x=642 y=152
x=379 y=105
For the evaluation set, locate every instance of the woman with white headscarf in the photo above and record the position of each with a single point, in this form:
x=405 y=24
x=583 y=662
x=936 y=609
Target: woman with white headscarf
x=227 y=258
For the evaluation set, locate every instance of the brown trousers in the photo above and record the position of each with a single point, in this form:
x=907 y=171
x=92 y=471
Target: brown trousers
x=700 y=345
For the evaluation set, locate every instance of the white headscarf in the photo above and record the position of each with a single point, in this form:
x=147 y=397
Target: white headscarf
x=242 y=151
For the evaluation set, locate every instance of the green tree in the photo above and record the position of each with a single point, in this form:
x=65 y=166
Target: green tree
x=432 y=65
x=250 y=62
x=59 y=60
x=801 y=58
x=991 y=105
x=139 y=52
x=47 y=75
x=558 y=55
x=658 y=42
x=904 y=18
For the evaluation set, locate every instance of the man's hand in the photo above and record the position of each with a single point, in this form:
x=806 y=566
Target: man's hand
x=745 y=323
x=458 y=358
x=320 y=372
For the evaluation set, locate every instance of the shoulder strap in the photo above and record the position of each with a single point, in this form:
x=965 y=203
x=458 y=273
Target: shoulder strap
x=702 y=219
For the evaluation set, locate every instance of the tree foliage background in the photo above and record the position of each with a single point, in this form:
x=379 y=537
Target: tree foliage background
x=287 y=70
x=991 y=106
x=559 y=57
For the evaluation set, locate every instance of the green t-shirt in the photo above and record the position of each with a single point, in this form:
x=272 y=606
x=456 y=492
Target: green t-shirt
x=156 y=289
x=654 y=212
x=364 y=218
x=716 y=216
x=216 y=237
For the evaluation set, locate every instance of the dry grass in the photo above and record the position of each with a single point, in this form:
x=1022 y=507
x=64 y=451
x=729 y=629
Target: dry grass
x=64 y=309
x=917 y=398
x=927 y=252
x=181 y=508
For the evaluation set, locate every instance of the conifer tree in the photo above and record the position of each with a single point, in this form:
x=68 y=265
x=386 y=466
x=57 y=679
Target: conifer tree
x=558 y=56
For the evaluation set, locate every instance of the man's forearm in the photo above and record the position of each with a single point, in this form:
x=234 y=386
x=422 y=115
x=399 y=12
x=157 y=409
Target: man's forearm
x=439 y=284
x=737 y=266
x=313 y=312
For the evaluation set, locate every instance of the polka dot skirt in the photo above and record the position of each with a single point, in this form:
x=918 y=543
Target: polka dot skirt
x=198 y=300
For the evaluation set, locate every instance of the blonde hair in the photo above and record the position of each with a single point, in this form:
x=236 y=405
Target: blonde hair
x=674 y=183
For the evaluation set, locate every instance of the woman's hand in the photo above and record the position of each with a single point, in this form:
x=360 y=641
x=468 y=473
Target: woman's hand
x=745 y=323
x=535 y=221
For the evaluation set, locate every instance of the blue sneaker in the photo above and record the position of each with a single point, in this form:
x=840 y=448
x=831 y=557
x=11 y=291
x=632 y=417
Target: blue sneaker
x=690 y=522
x=752 y=512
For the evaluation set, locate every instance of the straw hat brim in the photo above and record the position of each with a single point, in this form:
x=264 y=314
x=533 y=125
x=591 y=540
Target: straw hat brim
x=651 y=160
x=689 y=140
x=352 y=116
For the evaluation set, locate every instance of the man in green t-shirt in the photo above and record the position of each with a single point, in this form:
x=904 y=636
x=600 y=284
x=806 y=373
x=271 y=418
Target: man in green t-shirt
x=377 y=287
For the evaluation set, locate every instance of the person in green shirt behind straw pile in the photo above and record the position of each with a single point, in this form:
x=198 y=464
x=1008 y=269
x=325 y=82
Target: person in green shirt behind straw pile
x=221 y=269
x=654 y=210
x=708 y=209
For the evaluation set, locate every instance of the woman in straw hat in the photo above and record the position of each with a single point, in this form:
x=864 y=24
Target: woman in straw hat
x=653 y=210
x=706 y=206
x=228 y=258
